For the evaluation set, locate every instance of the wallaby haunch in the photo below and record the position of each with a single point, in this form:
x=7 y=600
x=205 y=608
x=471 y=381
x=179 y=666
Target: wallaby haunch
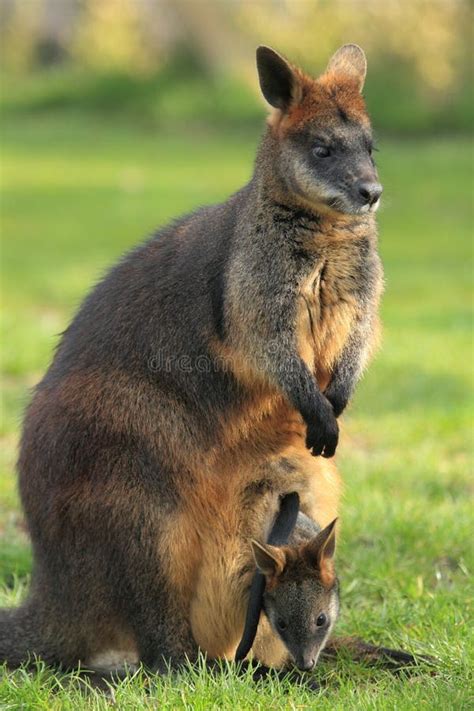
x=198 y=378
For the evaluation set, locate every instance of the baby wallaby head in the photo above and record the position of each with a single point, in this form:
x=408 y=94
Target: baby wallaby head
x=301 y=597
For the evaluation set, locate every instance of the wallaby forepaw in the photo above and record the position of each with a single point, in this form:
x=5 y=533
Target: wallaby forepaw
x=322 y=437
x=337 y=399
x=306 y=681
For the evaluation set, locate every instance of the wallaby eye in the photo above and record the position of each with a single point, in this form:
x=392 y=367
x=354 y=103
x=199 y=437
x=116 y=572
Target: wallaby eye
x=281 y=624
x=321 y=151
x=322 y=619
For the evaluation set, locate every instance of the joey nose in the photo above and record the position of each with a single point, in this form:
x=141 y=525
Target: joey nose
x=369 y=192
x=306 y=663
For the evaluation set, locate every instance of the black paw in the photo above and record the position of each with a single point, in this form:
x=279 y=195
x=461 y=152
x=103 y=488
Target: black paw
x=305 y=680
x=262 y=673
x=322 y=434
x=338 y=399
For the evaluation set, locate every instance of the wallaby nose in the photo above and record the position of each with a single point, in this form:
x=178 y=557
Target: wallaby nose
x=369 y=192
x=306 y=664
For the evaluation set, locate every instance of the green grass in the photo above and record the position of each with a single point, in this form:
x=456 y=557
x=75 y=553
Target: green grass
x=78 y=191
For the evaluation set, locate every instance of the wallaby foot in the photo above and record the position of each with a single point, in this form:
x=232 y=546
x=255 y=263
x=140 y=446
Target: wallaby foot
x=260 y=672
x=101 y=681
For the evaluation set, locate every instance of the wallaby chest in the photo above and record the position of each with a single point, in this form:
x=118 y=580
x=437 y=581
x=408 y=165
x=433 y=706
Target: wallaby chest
x=335 y=291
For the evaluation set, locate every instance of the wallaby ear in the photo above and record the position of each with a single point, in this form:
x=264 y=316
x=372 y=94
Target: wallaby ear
x=279 y=84
x=328 y=541
x=322 y=547
x=270 y=560
x=349 y=62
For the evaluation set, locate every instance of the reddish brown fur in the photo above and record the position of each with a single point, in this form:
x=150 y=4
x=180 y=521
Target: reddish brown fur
x=297 y=566
x=317 y=99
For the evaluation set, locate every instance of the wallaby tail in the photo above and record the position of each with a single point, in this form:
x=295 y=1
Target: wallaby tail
x=20 y=637
x=361 y=651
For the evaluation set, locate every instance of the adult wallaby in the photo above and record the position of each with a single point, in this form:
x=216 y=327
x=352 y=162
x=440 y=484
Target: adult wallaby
x=207 y=366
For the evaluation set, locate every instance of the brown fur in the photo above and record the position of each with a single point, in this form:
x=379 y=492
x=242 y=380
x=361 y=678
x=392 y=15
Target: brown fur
x=317 y=99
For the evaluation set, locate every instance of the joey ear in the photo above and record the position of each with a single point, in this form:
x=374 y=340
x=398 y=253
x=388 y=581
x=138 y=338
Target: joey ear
x=349 y=62
x=279 y=84
x=328 y=541
x=322 y=547
x=270 y=560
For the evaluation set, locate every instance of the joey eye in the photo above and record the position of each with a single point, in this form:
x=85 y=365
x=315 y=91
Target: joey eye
x=321 y=151
x=322 y=619
x=281 y=624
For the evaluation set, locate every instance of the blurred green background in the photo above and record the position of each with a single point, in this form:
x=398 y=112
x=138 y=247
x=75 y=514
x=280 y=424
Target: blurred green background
x=117 y=115
x=163 y=62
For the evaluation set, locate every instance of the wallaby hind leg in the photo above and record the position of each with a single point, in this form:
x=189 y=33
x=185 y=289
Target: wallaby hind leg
x=152 y=604
x=164 y=638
